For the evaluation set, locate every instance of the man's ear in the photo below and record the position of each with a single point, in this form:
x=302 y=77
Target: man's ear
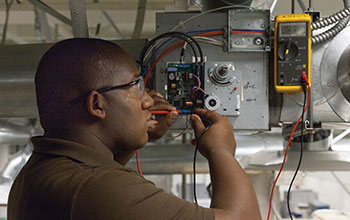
x=95 y=105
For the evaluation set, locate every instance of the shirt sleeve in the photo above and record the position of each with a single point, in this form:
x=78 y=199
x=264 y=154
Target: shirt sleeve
x=123 y=194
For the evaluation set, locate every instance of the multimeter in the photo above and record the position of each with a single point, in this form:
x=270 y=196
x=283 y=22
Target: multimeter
x=292 y=52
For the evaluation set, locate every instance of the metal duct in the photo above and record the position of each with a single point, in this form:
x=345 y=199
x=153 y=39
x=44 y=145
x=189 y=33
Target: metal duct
x=17 y=70
x=15 y=163
x=16 y=131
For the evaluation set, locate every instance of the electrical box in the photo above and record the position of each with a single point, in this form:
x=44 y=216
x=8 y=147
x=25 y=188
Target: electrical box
x=235 y=81
x=292 y=52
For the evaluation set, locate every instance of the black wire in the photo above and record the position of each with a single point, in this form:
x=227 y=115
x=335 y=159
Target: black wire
x=194 y=162
x=152 y=42
x=175 y=34
x=301 y=154
x=293 y=6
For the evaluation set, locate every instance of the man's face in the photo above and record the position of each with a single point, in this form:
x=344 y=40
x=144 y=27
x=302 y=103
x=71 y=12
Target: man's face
x=127 y=115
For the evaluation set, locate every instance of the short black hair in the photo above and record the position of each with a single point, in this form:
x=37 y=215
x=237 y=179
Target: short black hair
x=73 y=67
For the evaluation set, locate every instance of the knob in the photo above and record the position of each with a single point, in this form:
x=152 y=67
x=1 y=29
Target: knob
x=287 y=51
x=223 y=71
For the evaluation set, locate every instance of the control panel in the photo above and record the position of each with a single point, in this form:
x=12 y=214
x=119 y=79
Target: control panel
x=292 y=51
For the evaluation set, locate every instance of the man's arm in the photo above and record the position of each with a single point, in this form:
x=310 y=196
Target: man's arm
x=233 y=195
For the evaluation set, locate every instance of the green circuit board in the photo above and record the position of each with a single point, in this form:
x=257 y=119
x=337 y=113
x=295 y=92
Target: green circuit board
x=183 y=80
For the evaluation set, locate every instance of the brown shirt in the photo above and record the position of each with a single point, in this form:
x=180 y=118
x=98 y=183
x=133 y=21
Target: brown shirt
x=67 y=180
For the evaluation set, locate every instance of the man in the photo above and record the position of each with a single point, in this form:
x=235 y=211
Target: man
x=95 y=113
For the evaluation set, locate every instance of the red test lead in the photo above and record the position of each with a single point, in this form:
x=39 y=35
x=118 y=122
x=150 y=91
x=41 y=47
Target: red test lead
x=162 y=112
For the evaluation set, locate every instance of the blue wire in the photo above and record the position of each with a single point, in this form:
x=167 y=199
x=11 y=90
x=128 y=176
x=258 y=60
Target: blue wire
x=190 y=32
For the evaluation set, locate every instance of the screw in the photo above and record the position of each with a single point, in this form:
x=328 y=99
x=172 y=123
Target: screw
x=258 y=41
x=237 y=42
x=263 y=26
x=329 y=84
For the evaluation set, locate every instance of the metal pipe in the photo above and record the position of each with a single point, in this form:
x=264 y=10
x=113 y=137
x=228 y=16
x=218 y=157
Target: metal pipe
x=113 y=24
x=302 y=5
x=79 y=19
x=340 y=136
x=140 y=19
x=51 y=11
x=7 y=16
x=272 y=8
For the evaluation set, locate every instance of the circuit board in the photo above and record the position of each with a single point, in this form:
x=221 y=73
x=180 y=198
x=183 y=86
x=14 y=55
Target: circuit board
x=184 y=90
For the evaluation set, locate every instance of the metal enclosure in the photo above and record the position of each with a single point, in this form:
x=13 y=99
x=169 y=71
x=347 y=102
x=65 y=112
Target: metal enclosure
x=249 y=19
x=250 y=65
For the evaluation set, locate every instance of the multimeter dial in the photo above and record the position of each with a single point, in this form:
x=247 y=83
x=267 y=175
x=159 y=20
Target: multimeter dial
x=287 y=51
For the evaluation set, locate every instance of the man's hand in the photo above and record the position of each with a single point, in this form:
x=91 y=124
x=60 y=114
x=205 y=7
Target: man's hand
x=233 y=195
x=162 y=126
x=218 y=137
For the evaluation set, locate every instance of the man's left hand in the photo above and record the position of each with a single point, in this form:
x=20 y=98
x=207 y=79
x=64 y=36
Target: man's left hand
x=160 y=127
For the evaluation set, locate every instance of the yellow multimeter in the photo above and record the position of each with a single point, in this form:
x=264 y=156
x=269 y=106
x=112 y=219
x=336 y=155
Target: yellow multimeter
x=292 y=52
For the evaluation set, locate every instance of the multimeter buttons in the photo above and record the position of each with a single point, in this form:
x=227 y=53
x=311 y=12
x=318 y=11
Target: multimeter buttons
x=287 y=51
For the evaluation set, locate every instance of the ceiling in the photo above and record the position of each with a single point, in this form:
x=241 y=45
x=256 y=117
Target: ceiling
x=21 y=25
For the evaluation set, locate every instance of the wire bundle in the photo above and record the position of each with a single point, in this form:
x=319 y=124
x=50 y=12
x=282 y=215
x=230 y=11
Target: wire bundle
x=180 y=35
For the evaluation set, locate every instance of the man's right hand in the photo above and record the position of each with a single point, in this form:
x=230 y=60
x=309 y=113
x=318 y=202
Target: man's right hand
x=218 y=137
x=233 y=195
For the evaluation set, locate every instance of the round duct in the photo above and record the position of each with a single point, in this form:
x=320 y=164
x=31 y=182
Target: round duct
x=335 y=74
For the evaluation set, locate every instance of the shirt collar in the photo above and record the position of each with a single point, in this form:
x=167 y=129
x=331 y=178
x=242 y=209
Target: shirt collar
x=73 y=150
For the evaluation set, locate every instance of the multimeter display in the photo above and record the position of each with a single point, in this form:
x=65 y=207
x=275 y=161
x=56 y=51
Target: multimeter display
x=292 y=51
x=295 y=29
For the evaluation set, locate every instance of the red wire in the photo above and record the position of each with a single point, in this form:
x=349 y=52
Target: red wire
x=285 y=154
x=138 y=162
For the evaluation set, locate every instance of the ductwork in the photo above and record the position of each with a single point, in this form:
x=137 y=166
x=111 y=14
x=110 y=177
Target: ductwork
x=16 y=131
x=17 y=70
x=15 y=164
